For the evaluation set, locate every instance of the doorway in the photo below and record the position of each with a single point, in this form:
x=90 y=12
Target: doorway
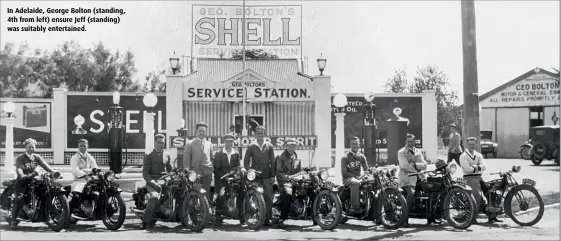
x=252 y=122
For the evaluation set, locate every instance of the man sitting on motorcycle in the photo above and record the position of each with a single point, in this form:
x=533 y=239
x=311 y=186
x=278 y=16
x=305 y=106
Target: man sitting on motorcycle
x=410 y=161
x=82 y=164
x=288 y=164
x=352 y=165
x=156 y=164
x=26 y=165
x=472 y=162
x=226 y=160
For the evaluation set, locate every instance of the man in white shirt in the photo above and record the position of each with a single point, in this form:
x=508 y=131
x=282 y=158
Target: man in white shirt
x=82 y=164
x=473 y=164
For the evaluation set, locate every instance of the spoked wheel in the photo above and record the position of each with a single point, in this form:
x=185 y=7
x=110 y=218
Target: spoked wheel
x=114 y=205
x=253 y=211
x=463 y=206
x=57 y=213
x=392 y=209
x=196 y=212
x=327 y=210
x=524 y=205
x=525 y=153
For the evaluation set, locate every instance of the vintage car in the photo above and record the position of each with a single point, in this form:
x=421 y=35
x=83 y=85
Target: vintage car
x=545 y=144
x=487 y=145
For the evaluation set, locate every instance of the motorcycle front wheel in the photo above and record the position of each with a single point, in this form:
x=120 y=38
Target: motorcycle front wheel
x=57 y=212
x=387 y=209
x=113 y=202
x=525 y=153
x=254 y=210
x=461 y=199
x=327 y=203
x=523 y=205
x=195 y=212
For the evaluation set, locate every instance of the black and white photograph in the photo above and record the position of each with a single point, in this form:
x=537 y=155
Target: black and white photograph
x=280 y=120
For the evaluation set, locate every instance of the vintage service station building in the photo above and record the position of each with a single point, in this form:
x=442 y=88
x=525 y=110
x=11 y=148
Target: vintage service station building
x=509 y=110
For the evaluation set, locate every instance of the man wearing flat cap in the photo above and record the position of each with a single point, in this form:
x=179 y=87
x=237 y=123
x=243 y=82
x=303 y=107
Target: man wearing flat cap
x=225 y=161
x=198 y=157
x=454 y=147
x=288 y=164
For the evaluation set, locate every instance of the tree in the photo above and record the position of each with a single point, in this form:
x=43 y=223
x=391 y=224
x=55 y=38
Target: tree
x=253 y=54
x=429 y=78
x=153 y=82
x=26 y=74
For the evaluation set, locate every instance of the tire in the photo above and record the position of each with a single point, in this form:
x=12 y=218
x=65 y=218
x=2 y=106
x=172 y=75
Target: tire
x=403 y=216
x=6 y=203
x=525 y=153
x=508 y=204
x=262 y=210
x=540 y=156
x=64 y=215
x=338 y=210
x=536 y=161
x=471 y=203
x=122 y=213
x=343 y=220
x=204 y=208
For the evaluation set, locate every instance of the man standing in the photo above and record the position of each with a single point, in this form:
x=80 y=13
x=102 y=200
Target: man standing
x=26 y=165
x=82 y=164
x=410 y=161
x=225 y=161
x=351 y=166
x=156 y=164
x=198 y=157
x=260 y=155
x=473 y=165
x=233 y=131
x=454 y=147
x=287 y=164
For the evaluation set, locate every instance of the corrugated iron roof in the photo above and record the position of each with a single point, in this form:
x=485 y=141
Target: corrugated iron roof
x=217 y=70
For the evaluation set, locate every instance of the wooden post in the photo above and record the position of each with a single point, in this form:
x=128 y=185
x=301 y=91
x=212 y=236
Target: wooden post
x=470 y=125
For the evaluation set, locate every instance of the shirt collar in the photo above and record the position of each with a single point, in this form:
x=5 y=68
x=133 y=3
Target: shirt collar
x=232 y=152
x=30 y=156
x=84 y=155
x=156 y=150
x=201 y=140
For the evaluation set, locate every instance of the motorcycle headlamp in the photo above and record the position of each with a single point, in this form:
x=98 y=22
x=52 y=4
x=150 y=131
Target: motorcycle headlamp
x=323 y=175
x=192 y=176
x=516 y=168
x=110 y=176
x=451 y=168
x=56 y=175
x=251 y=175
x=393 y=172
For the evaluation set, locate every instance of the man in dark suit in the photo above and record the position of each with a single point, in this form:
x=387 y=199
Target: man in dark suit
x=226 y=160
x=261 y=154
x=198 y=157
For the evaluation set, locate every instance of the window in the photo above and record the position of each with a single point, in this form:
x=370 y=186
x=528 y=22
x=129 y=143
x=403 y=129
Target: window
x=252 y=122
x=536 y=116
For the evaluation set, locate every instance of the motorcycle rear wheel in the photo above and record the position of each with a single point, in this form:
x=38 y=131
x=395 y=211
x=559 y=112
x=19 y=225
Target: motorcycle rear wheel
x=466 y=196
x=525 y=153
x=261 y=208
x=338 y=210
x=187 y=209
x=109 y=224
x=65 y=214
x=508 y=205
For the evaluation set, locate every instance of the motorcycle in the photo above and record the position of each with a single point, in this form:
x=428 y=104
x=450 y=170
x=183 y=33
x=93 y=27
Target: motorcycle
x=44 y=201
x=525 y=150
x=100 y=199
x=182 y=200
x=508 y=189
x=378 y=197
x=253 y=206
x=324 y=209
x=436 y=196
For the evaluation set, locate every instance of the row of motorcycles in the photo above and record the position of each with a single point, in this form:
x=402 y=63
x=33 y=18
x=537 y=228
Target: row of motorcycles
x=314 y=197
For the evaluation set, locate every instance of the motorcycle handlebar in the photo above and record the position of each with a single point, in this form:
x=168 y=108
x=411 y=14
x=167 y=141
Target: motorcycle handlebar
x=416 y=173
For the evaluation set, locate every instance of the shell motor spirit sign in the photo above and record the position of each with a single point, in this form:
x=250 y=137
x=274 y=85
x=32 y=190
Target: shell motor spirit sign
x=244 y=141
x=218 y=30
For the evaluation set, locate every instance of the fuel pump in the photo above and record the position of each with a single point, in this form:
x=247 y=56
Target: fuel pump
x=117 y=136
x=370 y=131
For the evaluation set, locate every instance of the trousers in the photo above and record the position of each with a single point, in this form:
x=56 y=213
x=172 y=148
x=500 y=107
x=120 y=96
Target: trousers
x=354 y=185
x=152 y=205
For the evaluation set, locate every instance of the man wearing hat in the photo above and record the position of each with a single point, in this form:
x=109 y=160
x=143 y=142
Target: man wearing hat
x=410 y=161
x=233 y=131
x=226 y=160
x=454 y=147
x=287 y=164
x=26 y=165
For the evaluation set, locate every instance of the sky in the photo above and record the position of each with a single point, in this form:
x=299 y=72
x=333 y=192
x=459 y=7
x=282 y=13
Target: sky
x=364 y=41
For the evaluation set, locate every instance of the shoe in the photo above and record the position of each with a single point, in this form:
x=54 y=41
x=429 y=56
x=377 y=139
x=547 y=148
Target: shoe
x=495 y=220
x=148 y=226
x=267 y=223
x=474 y=221
x=406 y=224
x=14 y=225
x=242 y=223
x=218 y=222
x=281 y=224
